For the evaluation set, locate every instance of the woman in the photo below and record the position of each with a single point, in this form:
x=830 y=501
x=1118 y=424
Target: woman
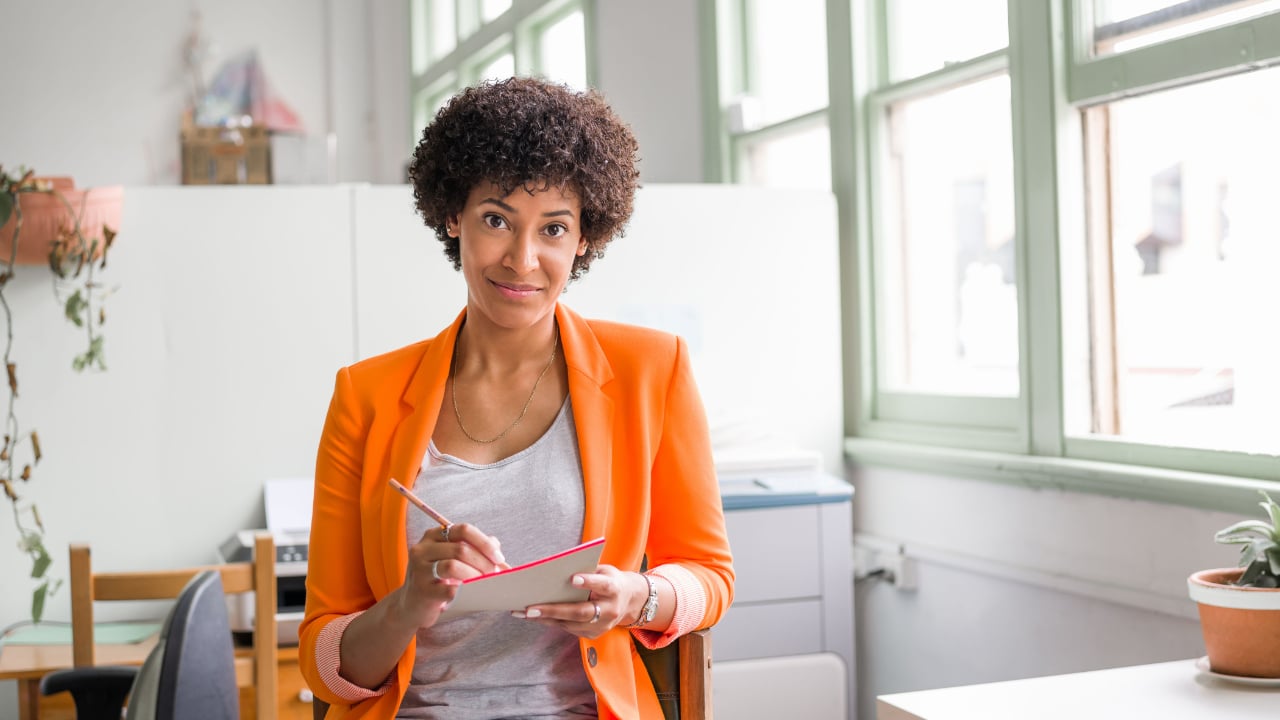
x=531 y=428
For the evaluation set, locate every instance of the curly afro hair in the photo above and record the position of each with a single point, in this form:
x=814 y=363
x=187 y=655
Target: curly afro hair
x=530 y=133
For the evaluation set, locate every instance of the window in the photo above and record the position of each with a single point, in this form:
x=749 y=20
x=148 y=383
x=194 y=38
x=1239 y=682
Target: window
x=561 y=52
x=773 y=94
x=1182 y=255
x=1067 y=242
x=923 y=34
x=1120 y=25
x=940 y=251
x=948 y=285
x=457 y=43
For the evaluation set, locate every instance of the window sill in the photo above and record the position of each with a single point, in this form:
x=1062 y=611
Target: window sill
x=1177 y=487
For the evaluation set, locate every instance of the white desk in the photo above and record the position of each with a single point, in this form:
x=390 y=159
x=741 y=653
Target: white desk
x=1167 y=691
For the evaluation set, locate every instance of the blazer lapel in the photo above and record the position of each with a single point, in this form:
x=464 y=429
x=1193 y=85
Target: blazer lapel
x=589 y=372
x=420 y=405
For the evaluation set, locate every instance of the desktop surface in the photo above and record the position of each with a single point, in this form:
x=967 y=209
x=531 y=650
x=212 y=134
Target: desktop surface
x=1168 y=691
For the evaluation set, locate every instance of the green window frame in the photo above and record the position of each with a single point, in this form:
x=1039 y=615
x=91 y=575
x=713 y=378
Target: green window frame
x=1053 y=76
x=518 y=31
x=973 y=422
x=729 y=72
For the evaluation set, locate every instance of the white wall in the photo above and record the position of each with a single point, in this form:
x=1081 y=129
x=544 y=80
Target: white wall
x=1016 y=582
x=648 y=63
x=102 y=85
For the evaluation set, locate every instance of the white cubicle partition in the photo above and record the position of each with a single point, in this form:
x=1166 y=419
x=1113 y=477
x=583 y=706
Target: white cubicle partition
x=237 y=305
x=232 y=311
x=749 y=276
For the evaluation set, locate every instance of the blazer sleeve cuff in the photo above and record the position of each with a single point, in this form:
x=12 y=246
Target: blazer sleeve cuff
x=328 y=659
x=691 y=607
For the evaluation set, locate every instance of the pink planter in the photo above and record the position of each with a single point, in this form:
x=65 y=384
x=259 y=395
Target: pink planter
x=44 y=215
x=1241 y=625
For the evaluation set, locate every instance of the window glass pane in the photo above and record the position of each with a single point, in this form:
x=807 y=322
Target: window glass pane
x=491 y=9
x=1184 y=348
x=499 y=68
x=443 y=28
x=419 y=23
x=787 y=56
x=428 y=103
x=926 y=35
x=563 y=52
x=1120 y=25
x=798 y=160
x=947 y=296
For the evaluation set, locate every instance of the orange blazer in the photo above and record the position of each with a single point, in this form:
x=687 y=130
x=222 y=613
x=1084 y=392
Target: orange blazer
x=649 y=484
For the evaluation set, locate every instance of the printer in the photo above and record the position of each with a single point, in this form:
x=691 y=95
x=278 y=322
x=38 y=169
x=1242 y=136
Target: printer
x=288 y=510
x=291 y=584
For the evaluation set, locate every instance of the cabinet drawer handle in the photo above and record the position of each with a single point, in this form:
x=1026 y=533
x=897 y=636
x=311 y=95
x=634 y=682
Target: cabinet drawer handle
x=305 y=695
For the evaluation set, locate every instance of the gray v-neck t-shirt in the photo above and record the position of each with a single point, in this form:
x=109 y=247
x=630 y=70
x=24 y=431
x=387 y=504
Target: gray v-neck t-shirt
x=486 y=666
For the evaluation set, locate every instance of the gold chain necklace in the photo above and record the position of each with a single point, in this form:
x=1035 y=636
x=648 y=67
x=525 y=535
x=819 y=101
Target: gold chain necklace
x=453 y=395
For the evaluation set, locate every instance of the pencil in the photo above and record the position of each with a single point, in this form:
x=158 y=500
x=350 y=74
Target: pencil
x=417 y=501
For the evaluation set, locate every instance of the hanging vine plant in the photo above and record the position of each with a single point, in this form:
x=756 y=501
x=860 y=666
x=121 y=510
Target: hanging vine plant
x=46 y=221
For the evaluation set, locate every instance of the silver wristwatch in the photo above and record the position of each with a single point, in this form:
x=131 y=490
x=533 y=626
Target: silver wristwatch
x=650 y=606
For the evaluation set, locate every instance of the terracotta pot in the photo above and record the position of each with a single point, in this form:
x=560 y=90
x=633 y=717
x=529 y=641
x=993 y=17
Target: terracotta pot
x=1241 y=625
x=44 y=214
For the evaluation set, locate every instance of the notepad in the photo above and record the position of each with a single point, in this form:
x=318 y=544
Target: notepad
x=547 y=580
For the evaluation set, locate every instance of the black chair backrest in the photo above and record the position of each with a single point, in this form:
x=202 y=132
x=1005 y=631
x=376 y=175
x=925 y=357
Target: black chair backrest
x=195 y=675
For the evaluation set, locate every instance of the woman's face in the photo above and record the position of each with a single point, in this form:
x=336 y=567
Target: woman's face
x=517 y=251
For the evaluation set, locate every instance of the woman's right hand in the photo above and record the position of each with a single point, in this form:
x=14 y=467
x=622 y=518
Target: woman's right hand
x=439 y=562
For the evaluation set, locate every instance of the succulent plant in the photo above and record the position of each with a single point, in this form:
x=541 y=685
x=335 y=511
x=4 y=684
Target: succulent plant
x=1260 y=556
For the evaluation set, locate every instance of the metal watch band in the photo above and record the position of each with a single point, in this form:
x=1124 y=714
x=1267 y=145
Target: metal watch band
x=650 y=608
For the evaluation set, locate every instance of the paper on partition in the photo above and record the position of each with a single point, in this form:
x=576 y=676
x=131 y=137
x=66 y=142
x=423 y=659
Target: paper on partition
x=288 y=505
x=541 y=581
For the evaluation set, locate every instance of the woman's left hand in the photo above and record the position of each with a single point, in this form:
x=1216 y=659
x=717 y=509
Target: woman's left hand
x=616 y=598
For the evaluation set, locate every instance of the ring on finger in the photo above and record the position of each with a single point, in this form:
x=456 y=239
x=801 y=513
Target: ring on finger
x=444 y=532
x=435 y=570
x=597 y=615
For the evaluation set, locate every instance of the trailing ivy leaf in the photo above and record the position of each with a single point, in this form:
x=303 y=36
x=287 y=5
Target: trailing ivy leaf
x=42 y=563
x=37 y=601
x=6 y=207
x=92 y=356
x=76 y=306
x=95 y=351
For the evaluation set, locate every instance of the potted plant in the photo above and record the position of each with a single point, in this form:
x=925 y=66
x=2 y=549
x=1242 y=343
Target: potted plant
x=1240 y=607
x=47 y=221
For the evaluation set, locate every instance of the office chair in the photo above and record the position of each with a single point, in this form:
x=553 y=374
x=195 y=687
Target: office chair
x=256 y=670
x=681 y=673
x=188 y=675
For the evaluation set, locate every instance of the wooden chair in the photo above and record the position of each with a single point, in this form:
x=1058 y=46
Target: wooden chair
x=692 y=673
x=681 y=673
x=256 y=670
x=695 y=675
x=189 y=674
